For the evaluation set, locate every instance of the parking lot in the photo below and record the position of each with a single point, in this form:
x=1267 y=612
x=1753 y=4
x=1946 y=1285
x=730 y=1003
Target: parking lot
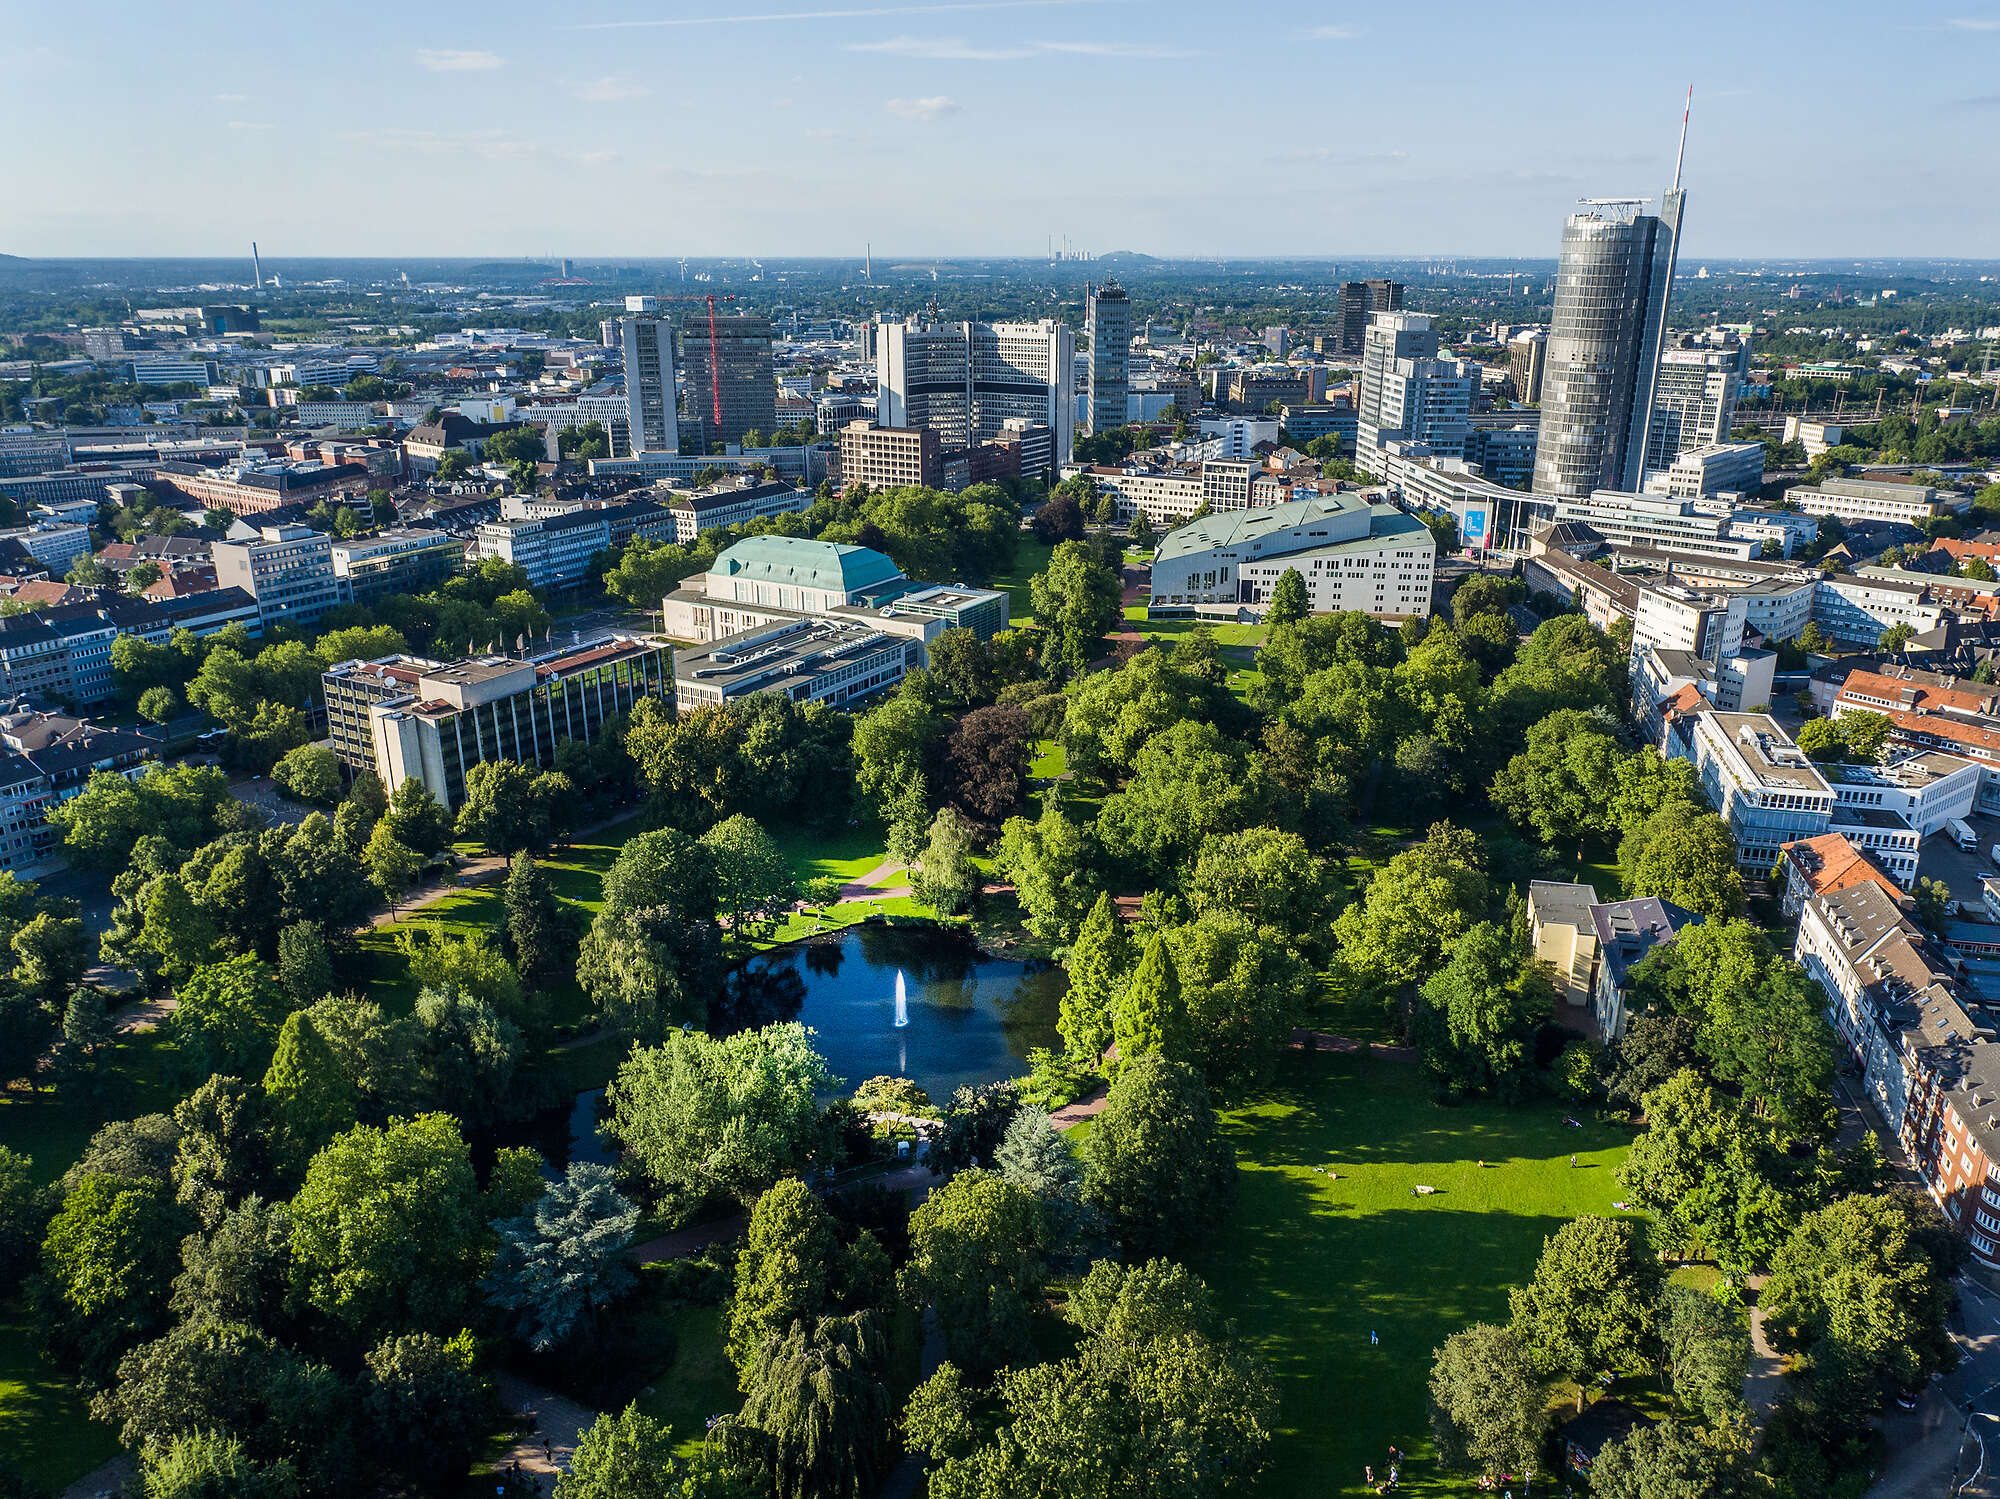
x=1938 y=858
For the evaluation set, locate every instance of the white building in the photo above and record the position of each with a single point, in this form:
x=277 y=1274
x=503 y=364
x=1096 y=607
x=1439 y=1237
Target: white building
x=1352 y=555
x=646 y=346
x=1694 y=402
x=288 y=570
x=1409 y=394
x=1655 y=520
x=1719 y=468
x=962 y=380
x=555 y=551
x=1877 y=500
x=1763 y=785
x=1857 y=610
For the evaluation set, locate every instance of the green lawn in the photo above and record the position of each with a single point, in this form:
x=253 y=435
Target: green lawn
x=1033 y=557
x=700 y=1383
x=45 y=1426
x=1310 y=1264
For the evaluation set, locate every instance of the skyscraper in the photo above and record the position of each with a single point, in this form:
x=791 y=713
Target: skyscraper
x=963 y=380
x=1612 y=286
x=1694 y=401
x=732 y=387
x=648 y=347
x=1359 y=299
x=1408 y=394
x=1107 y=317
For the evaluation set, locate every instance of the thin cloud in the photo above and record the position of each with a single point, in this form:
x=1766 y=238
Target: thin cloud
x=249 y=124
x=611 y=90
x=1112 y=49
x=840 y=15
x=1974 y=23
x=597 y=158
x=939 y=49
x=1983 y=104
x=232 y=98
x=449 y=61
x=1329 y=33
x=488 y=144
x=934 y=108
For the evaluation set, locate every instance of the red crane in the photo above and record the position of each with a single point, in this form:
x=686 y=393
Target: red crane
x=714 y=351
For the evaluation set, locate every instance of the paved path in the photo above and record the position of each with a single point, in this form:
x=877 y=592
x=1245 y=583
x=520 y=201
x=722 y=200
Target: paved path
x=1764 y=1378
x=1310 y=1040
x=541 y=1415
x=120 y=1475
x=472 y=872
x=868 y=886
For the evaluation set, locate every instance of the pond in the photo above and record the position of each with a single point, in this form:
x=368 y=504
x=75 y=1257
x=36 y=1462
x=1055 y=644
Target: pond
x=970 y=1019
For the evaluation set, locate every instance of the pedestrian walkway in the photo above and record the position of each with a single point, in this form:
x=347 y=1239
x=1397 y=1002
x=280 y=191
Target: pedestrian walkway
x=1310 y=1040
x=547 y=1430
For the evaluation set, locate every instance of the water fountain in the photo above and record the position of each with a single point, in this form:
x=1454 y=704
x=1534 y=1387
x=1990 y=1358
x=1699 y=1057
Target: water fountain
x=902 y=1002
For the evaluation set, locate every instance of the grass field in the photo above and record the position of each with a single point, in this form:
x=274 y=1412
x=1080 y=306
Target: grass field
x=1032 y=558
x=700 y=1382
x=45 y=1427
x=1309 y=1264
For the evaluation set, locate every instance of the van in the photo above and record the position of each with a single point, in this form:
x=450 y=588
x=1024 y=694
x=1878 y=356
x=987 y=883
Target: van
x=1962 y=834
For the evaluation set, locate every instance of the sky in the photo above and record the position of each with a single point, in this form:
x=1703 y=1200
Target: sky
x=983 y=127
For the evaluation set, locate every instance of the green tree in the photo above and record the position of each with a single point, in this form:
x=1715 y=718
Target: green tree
x=1684 y=853
x=210 y=1465
x=1488 y=1412
x=1664 y=1461
x=1414 y=911
x=978 y=1249
x=228 y=1016
x=501 y=809
x=1480 y=1013
x=1150 y=1019
x=310 y=1097
x=787 y=1271
x=946 y=879
x=753 y=878
x=561 y=1266
x=1705 y=1354
x=1706 y=1172
x=1242 y=990
x=1592 y=1304
x=386 y=1232
x=628 y=1455
x=426 y=1406
x=26 y=1206
x=108 y=1263
x=1077 y=600
x=1268 y=876
x=1156 y=1162
x=305 y=968
x=310 y=773
x=729 y=1115
x=1099 y=964
x=1052 y=863
x=418 y=820
x=538 y=928
x=1289 y=602
x=51 y=954
x=1563 y=785
x=392 y=865
x=159 y=704
x=815 y=1401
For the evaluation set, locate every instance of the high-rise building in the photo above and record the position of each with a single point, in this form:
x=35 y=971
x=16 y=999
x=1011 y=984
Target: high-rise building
x=1612 y=286
x=963 y=380
x=732 y=387
x=1694 y=401
x=648 y=347
x=1107 y=316
x=1527 y=363
x=1358 y=299
x=1408 y=394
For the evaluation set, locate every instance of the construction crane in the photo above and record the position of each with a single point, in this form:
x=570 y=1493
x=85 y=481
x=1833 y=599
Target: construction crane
x=714 y=351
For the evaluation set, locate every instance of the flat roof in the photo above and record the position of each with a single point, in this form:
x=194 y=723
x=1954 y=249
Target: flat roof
x=1234 y=527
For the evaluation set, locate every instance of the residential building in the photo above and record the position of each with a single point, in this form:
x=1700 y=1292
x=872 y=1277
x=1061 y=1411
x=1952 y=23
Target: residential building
x=1352 y=555
x=1408 y=393
x=1107 y=318
x=823 y=660
x=412 y=718
x=1923 y=1043
x=54 y=544
x=1627 y=931
x=1877 y=500
x=732 y=505
x=646 y=347
x=1825 y=865
x=1613 y=281
x=1604 y=597
x=1358 y=300
x=555 y=552
x=1594 y=946
x=963 y=380
x=288 y=570
x=890 y=457
x=1694 y=399
x=1761 y=783
x=203 y=614
x=402 y=560
x=732 y=386
x=45 y=759
x=1561 y=934
x=1719 y=468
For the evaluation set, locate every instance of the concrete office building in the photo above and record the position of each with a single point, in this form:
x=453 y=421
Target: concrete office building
x=1528 y=363
x=1408 y=394
x=1034 y=443
x=964 y=380
x=1654 y=520
x=1857 y=610
x=288 y=570
x=1694 y=400
x=826 y=660
x=1612 y=284
x=1876 y=500
x=1352 y=555
x=1358 y=299
x=890 y=457
x=732 y=386
x=646 y=345
x=555 y=552
x=412 y=718
x=1763 y=785
x=732 y=505
x=399 y=561
x=1107 y=318
x=1720 y=468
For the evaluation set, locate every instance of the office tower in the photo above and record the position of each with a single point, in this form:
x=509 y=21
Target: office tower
x=648 y=347
x=1694 y=401
x=1408 y=394
x=1612 y=285
x=963 y=380
x=1107 y=317
x=1528 y=362
x=1358 y=299
x=732 y=387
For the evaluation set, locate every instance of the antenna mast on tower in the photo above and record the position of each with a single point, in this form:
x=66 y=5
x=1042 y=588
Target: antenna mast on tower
x=1681 y=155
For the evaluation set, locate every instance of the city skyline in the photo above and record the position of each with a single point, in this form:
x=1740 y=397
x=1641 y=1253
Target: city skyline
x=747 y=130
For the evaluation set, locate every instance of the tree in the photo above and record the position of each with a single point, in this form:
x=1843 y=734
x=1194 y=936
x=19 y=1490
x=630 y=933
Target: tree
x=1684 y=854
x=1895 y=638
x=210 y=1465
x=386 y=1232
x=25 y=1208
x=815 y=1397
x=1038 y=1158
x=107 y=1268
x=228 y=1015
x=1289 y=602
x=1414 y=910
x=310 y=773
x=753 y=878
x=1099 y=962
x=426 y=1406
x=1156 y=1162
x=471 y=964
x=238 y=1269
x=946 y=878
x=788 y=1270
x=501 y=809
x=1488 y=1412
x=628 y=1455
x=1663 y=1461
x=1860 y=1291
x=392 y=865
x=1481 y=1011
x=538 y=926
x=223 y=1154
x=1052 y=863
x=1705 y=1172
x=1591 y=1305
x=1563 y=785
x=310 y=1097
x=305 y=969
x=51 y=954
x=986 y=764
x=559 y=1268
x=1150 y=1018
x=1706 y=1351
x=703 y=1115
x=158 y=704
x=654 y=951
x=978 y=1256
x=1268 y=876
x=1652 y=1048
x=177 y=803
x=468 y=1054
x=1242 y=988
x=1077 y=599
x=418 y=820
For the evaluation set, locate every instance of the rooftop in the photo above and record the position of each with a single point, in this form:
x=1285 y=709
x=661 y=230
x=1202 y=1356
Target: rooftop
x=802 y=563
x=1232 y=528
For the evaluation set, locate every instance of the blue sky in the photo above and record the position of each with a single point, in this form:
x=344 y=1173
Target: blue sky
x=808 y=127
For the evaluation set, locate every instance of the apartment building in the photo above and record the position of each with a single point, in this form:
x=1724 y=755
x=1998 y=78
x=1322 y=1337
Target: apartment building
x=45 y=759
x=54 y=543
x=412 y=718
x=401 y=560
x=1352 y=555
x=1595 y=946
x=1825 y=865
x=1761 y=783
x=288 y=570
x=1924 y=1045
x=890 y=457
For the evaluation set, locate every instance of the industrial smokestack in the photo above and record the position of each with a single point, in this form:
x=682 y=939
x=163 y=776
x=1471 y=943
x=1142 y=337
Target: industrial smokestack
x=256 y=265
